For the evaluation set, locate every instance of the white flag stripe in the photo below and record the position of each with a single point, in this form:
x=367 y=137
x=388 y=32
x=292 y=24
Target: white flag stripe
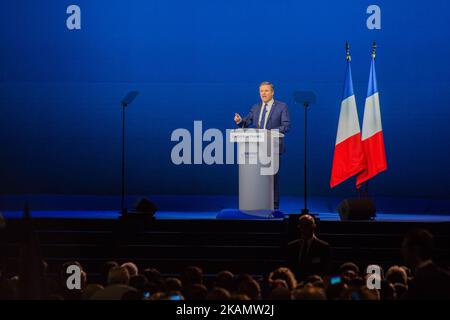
x=348 y=120
x=372 y=117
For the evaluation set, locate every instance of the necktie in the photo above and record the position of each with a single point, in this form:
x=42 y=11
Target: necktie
x=263 y=118
x=303 y=252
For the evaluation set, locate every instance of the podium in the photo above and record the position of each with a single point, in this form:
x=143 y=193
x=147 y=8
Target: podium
x=258 y=160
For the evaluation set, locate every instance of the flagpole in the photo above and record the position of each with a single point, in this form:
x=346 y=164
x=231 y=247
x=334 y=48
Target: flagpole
x=347 y=50
x=349 y=59
x=374 y=50
x=374 y=55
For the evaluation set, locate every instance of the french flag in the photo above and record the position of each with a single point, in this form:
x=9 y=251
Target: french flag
x=348 y=157
x=372 y=132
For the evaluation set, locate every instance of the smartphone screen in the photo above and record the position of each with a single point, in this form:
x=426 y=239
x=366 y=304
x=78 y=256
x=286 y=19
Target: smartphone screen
x=335 y=280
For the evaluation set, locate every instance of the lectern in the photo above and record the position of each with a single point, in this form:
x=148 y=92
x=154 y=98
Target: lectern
x=258 y=160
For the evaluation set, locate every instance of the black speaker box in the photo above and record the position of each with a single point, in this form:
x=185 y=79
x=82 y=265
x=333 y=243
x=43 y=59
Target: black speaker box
x=357 y=209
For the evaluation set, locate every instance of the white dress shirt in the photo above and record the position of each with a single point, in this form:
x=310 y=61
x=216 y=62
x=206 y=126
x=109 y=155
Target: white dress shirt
x=269 y=107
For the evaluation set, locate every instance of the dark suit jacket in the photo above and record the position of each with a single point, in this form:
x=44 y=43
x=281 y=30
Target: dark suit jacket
x=430 y=282
x=278 y=118
x=316 y=261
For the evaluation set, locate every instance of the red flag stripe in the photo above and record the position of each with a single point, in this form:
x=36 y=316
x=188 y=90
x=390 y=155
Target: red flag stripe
x=375 y=158
x=348 y=159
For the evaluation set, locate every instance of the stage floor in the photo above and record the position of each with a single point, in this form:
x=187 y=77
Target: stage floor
x=168 y=215
x=208 y=207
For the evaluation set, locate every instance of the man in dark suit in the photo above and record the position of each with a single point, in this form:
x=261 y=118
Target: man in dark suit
x=430 y=281
x=268 y=114
x=308 y=255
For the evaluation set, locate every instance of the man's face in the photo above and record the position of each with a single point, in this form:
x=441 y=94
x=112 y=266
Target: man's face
x=306 y=228
x=266 y=93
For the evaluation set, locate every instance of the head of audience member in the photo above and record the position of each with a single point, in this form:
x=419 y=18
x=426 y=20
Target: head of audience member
x=139 y=282
x=349 y=269
x=278 y=283
x=306 y=227
x=154 y=277
x=397 y=274
x=173 y=284
x=218 y=293
x=118 y=275
x=107 y=266
x=309 y=292
x=250 y=288
x=192 y=275
x=417 y=247
x=225 y=279
x=195 y=291
x=283 y=274
x=131 y=267
x=280 y=293
x=315 y=280
x=240 y=278
x=90 y=290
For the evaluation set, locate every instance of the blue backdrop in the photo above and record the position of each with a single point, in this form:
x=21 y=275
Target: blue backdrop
x=60 y=90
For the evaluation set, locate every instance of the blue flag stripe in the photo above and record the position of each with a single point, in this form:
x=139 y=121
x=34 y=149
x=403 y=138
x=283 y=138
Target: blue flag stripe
x=372 y=88
x=348 y=86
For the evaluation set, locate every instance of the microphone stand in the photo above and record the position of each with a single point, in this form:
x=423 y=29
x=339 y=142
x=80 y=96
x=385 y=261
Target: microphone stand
x=305 y=98
x=305 y=209
x=122 y=201
x=125 y=102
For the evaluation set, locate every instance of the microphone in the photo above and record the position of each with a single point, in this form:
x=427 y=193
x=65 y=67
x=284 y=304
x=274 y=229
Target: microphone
x=236 y=123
